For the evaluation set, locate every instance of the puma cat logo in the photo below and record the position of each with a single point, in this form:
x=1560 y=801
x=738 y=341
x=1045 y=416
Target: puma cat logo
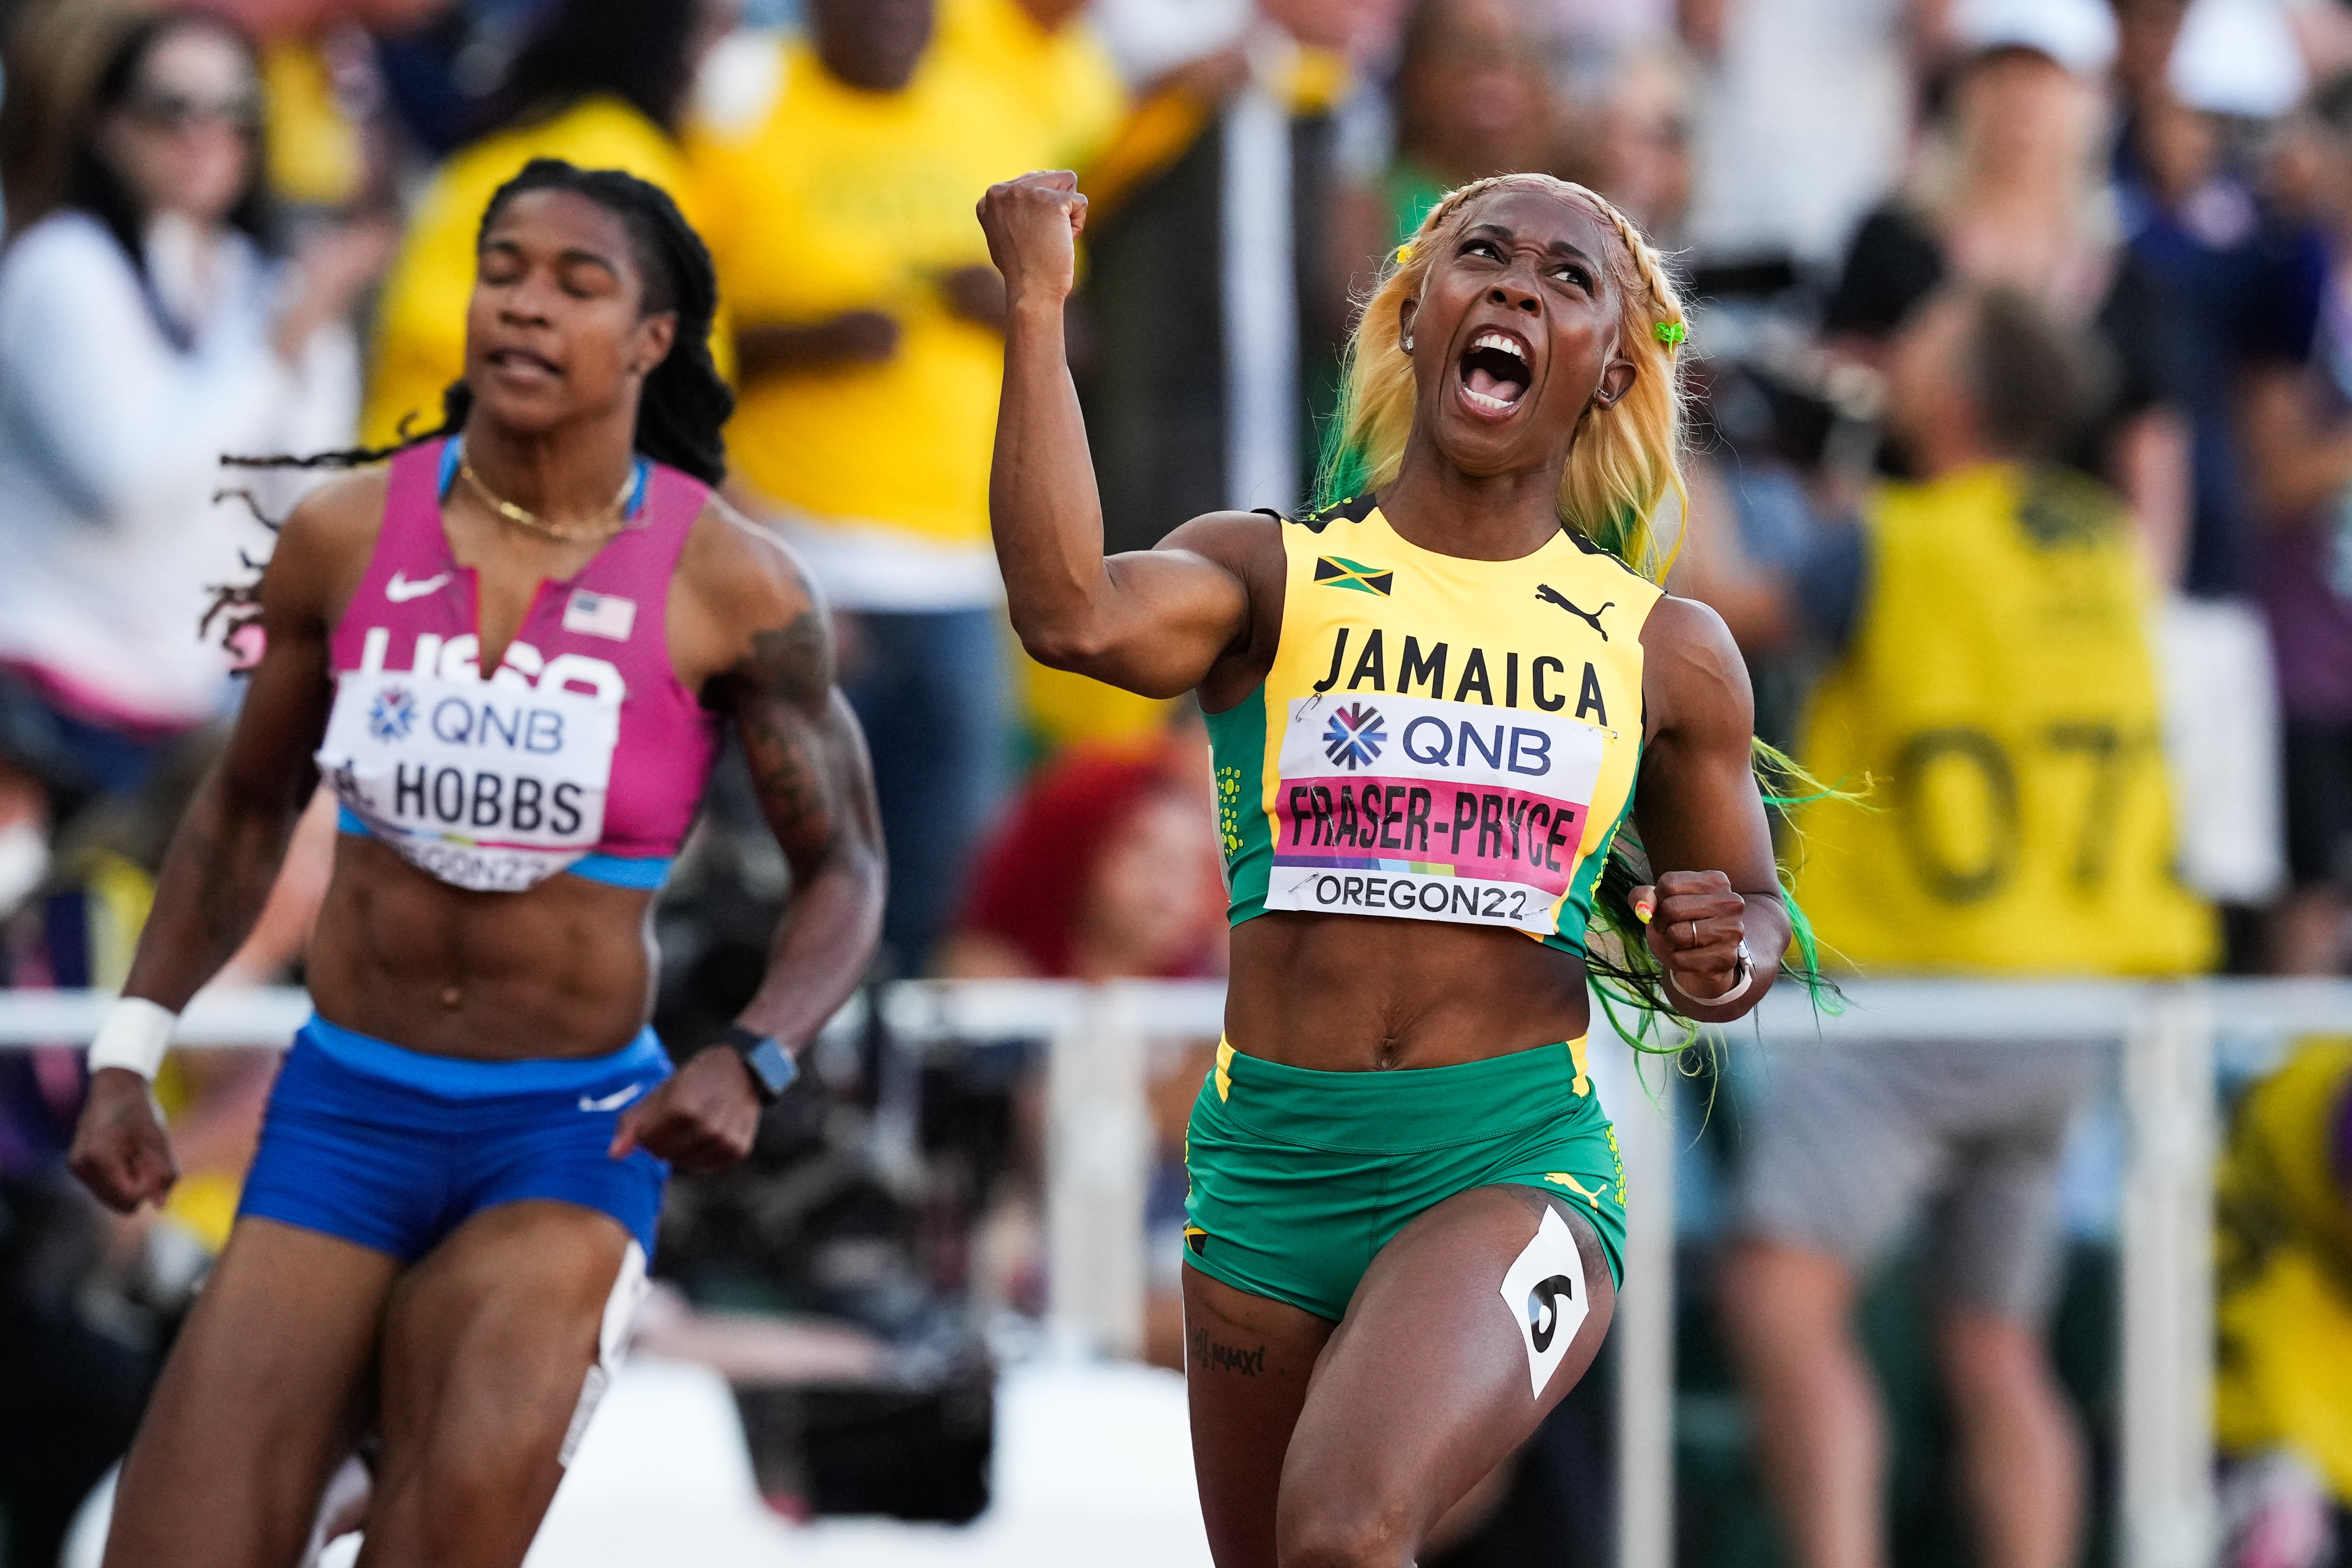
x=1552 y=596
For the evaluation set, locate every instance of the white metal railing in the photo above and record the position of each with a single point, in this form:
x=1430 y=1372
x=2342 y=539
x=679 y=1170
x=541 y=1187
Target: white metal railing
x=1099 y=1149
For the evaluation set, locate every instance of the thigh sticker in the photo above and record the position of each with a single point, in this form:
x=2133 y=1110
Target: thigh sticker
x=1545 y=1293
x=629 y=1292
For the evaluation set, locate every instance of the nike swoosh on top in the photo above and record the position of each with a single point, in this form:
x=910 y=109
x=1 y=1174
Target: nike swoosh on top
x=399 y=589
x=613 y=1102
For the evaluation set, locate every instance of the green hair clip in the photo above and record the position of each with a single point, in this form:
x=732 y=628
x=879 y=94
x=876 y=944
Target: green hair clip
x=1670 y=331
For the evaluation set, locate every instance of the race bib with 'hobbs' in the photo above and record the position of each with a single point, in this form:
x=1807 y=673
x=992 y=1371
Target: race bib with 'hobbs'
x=1431 y=810
x=492 y=786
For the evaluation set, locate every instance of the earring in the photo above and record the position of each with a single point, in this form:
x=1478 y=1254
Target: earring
x=1407 y=345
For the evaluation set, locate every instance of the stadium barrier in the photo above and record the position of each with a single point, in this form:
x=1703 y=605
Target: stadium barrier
x=1100 y=1040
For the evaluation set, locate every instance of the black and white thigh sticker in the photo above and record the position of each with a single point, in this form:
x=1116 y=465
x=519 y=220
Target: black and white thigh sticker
x=630 y=1288
x=1545 y=1291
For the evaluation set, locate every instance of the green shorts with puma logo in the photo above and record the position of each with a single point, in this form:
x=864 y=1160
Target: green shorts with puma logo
x=1297 y=1178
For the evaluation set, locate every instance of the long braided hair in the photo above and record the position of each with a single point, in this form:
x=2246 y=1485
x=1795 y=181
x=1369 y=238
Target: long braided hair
x=683 y=409
x=1625 y=463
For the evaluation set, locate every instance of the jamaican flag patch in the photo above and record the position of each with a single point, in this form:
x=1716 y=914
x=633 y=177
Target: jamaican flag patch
x=1339 y=572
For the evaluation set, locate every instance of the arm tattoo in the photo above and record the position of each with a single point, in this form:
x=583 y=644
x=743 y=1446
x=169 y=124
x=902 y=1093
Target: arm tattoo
x=793 y=662
x=784 y=692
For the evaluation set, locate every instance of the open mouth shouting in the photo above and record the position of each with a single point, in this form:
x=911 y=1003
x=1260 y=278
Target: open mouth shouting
x=1495 y=373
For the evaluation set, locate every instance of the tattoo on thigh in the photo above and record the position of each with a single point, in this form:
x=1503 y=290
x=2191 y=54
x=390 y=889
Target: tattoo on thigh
x=1213 y=1355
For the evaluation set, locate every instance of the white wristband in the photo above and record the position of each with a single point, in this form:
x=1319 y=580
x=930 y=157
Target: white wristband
x=135 y=1035
x=1739 y=989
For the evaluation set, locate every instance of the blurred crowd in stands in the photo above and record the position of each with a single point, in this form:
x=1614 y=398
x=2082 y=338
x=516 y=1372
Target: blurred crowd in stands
x=2085 y=262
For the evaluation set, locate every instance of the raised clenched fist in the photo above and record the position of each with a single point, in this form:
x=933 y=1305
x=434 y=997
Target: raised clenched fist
x=1032 y=225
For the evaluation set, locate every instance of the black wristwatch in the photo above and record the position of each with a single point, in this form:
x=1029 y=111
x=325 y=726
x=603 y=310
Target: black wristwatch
x=771 y=1067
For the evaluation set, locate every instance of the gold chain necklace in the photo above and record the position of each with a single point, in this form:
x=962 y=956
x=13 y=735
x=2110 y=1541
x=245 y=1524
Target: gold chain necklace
x=609 y=523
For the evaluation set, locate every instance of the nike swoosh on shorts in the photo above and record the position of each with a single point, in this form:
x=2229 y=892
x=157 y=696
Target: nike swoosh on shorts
x=613 y=1102
x=399 y=589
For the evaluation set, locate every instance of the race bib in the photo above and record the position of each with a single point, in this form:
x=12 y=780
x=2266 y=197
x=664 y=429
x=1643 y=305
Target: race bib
x=1426 y=809
x=491 y=785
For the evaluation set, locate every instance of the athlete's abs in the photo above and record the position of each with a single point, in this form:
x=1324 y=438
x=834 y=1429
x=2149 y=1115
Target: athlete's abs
x=563 y=970
x=1344 y=994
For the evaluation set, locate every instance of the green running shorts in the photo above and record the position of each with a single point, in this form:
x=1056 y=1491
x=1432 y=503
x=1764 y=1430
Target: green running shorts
x=1299 y=1178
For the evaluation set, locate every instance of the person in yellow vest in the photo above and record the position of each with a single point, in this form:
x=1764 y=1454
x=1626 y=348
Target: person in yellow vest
x=871 y=338
x=1994 y=690
x=2283 y=1256
x=601 y=84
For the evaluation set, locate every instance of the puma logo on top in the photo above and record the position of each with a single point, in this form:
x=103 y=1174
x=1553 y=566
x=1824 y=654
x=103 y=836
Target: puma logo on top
x=1552 y=596
x=399 y=589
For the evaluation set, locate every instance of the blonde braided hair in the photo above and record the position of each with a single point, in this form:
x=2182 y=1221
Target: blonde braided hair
x=1627 y=458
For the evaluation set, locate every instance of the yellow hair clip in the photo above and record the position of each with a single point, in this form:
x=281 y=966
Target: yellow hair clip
x=1404 y=253
x=1670 y=331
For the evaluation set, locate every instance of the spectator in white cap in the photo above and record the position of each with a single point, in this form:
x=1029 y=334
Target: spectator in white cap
x=2011 y=194
x=2238 y=58
x=2191 y=76
x=2079 y=35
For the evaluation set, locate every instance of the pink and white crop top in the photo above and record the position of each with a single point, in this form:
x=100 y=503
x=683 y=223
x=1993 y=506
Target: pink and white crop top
x=580 y=753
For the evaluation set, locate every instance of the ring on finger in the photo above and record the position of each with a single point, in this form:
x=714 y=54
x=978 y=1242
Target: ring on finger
x=1694 y=935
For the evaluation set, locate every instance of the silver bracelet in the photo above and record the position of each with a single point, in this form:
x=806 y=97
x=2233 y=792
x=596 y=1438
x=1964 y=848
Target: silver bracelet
x=1738 y=987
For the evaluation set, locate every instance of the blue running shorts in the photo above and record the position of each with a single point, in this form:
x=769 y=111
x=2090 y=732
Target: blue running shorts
x=394 y=1150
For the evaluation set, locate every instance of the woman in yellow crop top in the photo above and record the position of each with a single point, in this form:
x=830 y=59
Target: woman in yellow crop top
x=1430 y=708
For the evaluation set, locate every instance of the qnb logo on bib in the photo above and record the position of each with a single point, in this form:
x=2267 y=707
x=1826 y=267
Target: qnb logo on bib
x=1354 y=737
x=1426 y=809
x=393 y=714
x=485 y=784
x=490 y=720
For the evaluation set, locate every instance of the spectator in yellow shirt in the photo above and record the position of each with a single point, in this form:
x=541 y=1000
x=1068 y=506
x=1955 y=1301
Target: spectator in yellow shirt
x=1052 y=64
x=600 y=83
x=331 y=143
x=869 y=337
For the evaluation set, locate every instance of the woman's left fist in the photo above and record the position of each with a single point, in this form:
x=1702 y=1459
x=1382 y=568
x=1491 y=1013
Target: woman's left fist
x=703 y=1118
x=1697 y=923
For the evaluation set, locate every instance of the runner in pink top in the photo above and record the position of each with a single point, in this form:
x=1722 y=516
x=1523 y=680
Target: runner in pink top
x=446 y=1225
x=583 y=753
